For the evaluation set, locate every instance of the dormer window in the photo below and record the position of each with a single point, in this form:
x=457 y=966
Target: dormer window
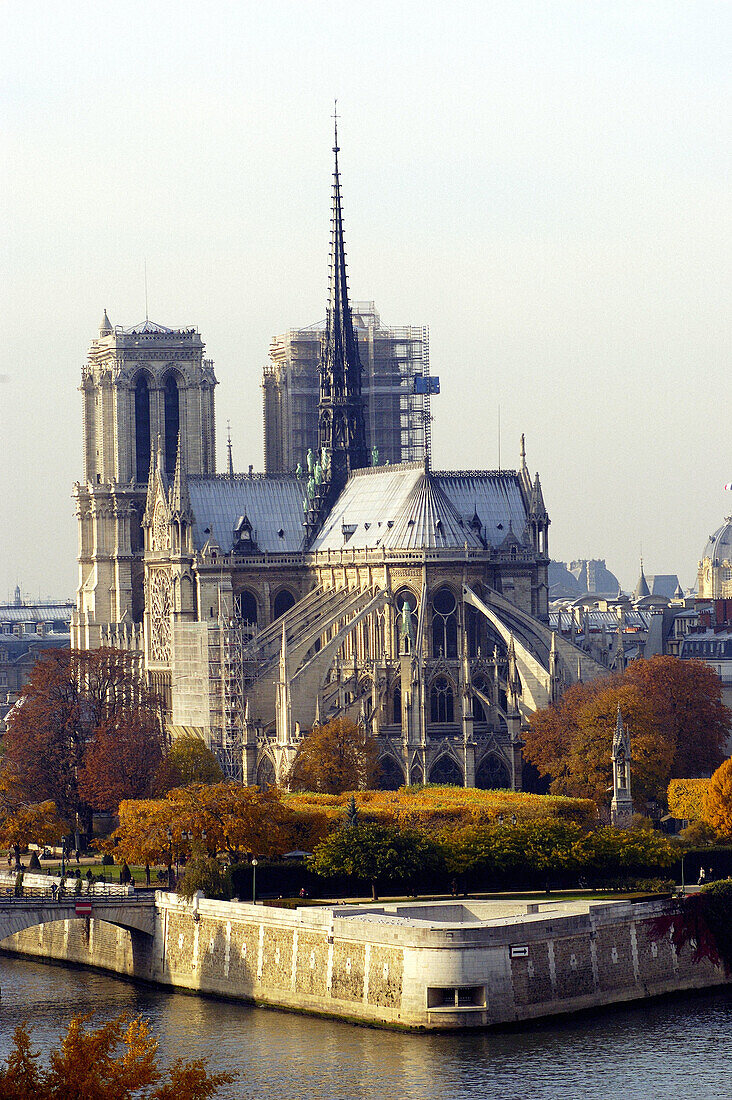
x=244 y=537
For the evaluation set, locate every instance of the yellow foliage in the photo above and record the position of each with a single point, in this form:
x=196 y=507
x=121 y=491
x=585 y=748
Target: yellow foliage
x=718 y=799
x=686 y=798
x=437 y=808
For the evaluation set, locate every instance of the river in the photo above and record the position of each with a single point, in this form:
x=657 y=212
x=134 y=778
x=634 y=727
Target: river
x=657 y=1050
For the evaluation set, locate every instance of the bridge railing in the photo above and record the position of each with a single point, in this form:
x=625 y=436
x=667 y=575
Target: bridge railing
x=42 y=886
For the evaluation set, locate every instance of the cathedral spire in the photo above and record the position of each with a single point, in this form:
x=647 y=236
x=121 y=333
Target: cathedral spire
x=341 y=416
x=229 y=456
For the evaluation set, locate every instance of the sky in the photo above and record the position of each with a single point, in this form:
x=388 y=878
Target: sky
x=544 y=184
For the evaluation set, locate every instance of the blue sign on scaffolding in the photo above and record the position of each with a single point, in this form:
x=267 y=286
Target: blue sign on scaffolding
x=426 y=384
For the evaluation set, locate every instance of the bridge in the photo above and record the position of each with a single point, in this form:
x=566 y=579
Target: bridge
x=134 y=913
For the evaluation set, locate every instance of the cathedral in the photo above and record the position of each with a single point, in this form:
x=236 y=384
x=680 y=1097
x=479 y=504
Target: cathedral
x=412 y=600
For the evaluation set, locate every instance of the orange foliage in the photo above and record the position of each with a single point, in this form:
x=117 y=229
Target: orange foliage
x=672 y=708
x=117 y=1061
x=339 y=756
x=718 y=799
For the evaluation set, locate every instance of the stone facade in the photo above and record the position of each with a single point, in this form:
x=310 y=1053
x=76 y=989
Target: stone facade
x=423 y=966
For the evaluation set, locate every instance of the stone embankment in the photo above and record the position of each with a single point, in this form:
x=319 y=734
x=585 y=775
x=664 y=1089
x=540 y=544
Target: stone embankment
x=431 y=966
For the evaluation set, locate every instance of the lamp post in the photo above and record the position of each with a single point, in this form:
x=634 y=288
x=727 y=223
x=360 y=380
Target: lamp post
x=169 y=834
x=254 y=880
x=63 y=858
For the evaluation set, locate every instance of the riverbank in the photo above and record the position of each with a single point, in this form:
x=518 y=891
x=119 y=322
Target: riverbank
x=424 y=966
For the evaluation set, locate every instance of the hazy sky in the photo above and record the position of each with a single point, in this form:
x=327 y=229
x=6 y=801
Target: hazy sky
x=546 y=185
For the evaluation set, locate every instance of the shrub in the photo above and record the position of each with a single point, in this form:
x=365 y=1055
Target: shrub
x=107 y=860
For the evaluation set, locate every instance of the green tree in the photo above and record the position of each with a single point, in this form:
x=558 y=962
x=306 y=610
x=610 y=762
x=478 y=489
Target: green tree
x=377 y=854
x=187 y=762
x=205 y=873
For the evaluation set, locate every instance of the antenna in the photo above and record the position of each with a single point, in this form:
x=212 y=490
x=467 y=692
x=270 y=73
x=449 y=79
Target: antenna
x=499 y=439
x=147 y=314
x=228 y=448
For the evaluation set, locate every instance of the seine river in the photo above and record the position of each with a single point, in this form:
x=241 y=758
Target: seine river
x=666 y=1049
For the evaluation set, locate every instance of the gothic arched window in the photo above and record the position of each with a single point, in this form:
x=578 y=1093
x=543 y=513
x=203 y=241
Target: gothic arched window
x=245 y=609
x=492 y=774
x=397 y=700
x=283 y=601
x=446 y=772
x=142 y=428
x=266 y=773
x=441 y=700
x=171 y=401
x=444 y=624
x=391 y=776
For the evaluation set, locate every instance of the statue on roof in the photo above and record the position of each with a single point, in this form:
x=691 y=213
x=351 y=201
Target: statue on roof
x=374 y=455
x=310 y=459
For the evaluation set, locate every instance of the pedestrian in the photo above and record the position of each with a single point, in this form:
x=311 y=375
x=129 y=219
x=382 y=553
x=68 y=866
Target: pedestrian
x=54 y=889
x=702 y=876
x=454 y=887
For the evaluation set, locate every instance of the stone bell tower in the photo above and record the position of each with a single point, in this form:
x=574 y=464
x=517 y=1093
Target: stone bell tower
x=142 y=387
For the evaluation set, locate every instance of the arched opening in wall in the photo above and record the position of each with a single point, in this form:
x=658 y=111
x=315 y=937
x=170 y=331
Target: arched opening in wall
x=406 y=625
x=397 y=705
x=492 y=774
x=391 y=776
x=446 y=772
x=416 y=777
x=246 y=611
x=442 y=700
x=266 y=773
x=171 y=403
x=444 y=624
x=142 y=428
x=283 y=601
x=479 y=710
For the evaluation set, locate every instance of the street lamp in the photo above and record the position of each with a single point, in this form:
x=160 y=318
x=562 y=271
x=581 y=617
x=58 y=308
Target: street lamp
x=169 y=834
x=254 y=880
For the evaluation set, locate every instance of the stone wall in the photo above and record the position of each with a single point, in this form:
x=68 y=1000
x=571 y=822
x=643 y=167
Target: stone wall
x=392 y=965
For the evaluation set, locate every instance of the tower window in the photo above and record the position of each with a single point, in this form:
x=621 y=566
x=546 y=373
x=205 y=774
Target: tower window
x=142 y=429
x=172 y=423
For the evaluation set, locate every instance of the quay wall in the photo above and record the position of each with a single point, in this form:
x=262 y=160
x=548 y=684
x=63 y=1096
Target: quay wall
x=431 y=967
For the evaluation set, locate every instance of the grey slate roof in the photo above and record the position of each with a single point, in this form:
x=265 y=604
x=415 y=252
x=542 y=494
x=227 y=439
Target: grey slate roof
x=272 y=504
x=394 y=507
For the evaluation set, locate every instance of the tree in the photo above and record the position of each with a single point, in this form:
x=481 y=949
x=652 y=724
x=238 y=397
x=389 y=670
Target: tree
x=222 y=817
x=539 y=847
x=187 y=761
x=34 y=823
x=673 y=709
x=206 y=874
x=376 y=853
x=122 y=760
x=117 y=1061
x=339 y=756
x=686 y=798
x=71 y=698
x=718 y=799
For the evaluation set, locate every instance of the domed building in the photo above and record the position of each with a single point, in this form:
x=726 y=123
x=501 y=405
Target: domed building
x=714 y=578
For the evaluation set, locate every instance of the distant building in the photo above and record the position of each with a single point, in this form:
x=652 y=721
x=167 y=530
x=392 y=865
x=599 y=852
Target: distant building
x=391 y=358
x=26 y=629
x=714 y=572
x=581 y=577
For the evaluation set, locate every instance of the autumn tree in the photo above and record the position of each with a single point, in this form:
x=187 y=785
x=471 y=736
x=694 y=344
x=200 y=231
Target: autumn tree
x=673 y=709
x=718 y=799
x=122 y=761
x=71 y=698
x=187 y=761
x=339 y=756
x=116 y=1061
x=222 y=817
